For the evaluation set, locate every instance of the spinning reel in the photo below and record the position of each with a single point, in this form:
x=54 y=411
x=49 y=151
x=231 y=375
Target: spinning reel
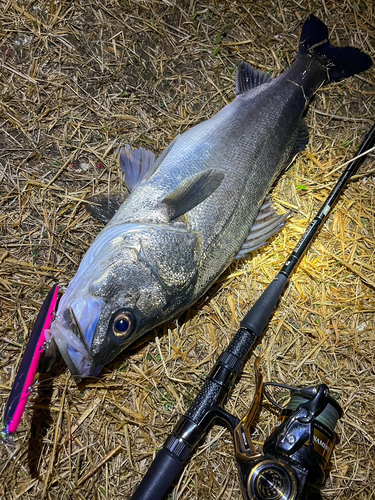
x=296 y=455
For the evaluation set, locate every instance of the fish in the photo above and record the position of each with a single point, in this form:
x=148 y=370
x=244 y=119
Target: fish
x=191 y=212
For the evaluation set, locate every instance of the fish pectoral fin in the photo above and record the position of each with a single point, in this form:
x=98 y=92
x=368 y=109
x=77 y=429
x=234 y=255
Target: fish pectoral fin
x=267 y=224
x=192 y=191
x=103 y=206
x=140 y=164
x=248 y=78
x=301 y=141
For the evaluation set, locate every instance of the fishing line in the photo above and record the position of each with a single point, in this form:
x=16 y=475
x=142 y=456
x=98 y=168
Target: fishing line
x=349 y=161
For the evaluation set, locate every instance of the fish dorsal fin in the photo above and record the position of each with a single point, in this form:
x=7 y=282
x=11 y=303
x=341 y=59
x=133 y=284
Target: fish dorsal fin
x=301 y=141
x=192 y=191
x=267 y=223
x=248 y=78
x=103 y=206
x=139 y=164
x=135 y=164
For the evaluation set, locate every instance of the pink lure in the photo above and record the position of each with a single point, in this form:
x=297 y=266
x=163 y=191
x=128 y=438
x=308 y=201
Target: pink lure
x=28 y=368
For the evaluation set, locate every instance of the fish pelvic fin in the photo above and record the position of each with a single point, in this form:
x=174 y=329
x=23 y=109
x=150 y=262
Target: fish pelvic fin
x=267 y=224
x=340 y=62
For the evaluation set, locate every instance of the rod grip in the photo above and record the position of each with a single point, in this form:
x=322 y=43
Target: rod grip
x=257 y=318
x=193 y=426
x=159 y=477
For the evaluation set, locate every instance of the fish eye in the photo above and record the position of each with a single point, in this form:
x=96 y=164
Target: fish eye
x=122 y=324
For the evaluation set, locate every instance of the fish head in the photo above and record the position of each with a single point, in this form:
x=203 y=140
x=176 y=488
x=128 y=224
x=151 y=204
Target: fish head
x=105 y=308
x=136 y=308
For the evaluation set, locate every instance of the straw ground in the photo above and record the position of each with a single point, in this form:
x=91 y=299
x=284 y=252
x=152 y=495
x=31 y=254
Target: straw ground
x=79 y=80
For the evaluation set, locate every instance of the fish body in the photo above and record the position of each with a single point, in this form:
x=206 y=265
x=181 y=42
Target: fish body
x=193 y=209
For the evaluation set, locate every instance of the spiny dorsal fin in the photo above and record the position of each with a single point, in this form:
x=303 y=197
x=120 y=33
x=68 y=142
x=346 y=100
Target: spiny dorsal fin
x=135 y=164
x=192 y=191
x=103 y=206
x=267 y=223
x=247 y=78
x=139 y=164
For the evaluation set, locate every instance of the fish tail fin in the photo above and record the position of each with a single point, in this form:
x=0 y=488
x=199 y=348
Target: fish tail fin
x=340 y=62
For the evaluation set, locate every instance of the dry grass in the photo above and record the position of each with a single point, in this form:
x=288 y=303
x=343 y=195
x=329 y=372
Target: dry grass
x=78 y=80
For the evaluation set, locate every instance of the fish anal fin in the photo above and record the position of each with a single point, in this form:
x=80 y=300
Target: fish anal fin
x=301 y=141
x=266 y=225
x=248 y=78
x=192 y=191
x=103 y=206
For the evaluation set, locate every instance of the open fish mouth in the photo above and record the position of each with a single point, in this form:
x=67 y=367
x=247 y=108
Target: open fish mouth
x=73 y=338
x=72 y=345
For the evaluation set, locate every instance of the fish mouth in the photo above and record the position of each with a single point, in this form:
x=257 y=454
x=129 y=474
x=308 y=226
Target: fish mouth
x=72 y=345
x=73 y=337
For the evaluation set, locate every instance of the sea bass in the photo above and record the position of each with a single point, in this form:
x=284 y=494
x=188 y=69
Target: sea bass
x=190 y=213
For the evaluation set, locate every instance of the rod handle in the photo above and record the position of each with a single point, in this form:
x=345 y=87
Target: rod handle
x=257 y=318
x=159 y=477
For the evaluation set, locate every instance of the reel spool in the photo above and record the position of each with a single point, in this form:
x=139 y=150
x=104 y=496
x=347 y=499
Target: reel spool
x=296 y=455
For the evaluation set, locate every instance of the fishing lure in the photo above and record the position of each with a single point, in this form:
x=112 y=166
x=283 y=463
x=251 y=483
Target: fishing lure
x=28 y=368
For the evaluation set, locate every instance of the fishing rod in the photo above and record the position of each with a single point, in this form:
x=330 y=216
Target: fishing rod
x=297 y=452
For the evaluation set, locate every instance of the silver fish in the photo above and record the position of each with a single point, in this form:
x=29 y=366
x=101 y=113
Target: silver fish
x=190 y=213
